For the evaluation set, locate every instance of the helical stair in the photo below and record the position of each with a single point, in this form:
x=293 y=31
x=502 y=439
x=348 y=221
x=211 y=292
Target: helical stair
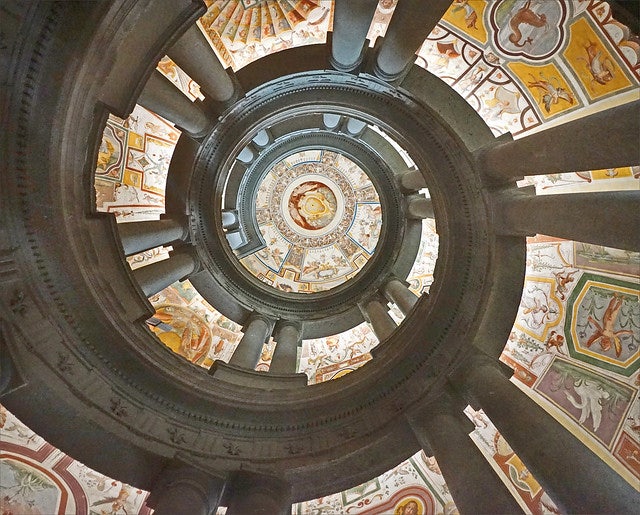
x=84 y=356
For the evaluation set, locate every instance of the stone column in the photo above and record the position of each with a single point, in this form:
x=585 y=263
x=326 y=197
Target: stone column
x=157 y=276
x=185 y=489
x=397 y=292
x=376 y=313
x=139 y=236
x=258 y=495
x=411 y=180
x=256 y=332
x=195 y=56
x=411 y=23
x=287 y=336
x=609 y=218
x=608 y=139
x=419 y=207
x=351 y=22
x=574 y=477
x=443 y=431
x=178 y=180
x=162 y=97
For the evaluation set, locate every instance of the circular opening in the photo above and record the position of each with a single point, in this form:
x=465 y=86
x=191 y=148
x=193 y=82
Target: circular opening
x=319 y=217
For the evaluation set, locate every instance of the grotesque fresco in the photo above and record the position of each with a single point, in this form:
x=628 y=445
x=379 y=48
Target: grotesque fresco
x=520 y=482
x=190 y=327
x=520 y=64
x=320 y=218
x=133 y=162
x=582 y=361
x=241 y=31
x=38 y=479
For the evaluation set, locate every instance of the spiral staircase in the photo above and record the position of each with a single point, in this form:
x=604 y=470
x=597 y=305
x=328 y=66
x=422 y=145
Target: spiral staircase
x=80 y=364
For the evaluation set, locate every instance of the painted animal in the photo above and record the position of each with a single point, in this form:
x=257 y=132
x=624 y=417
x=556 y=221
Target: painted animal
x=525 y=15
x=551 y=94
x=590 y=402
x=605 y=333
x=600 y=66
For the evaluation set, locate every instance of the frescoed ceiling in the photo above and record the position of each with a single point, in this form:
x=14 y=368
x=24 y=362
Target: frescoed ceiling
x=524 y=66
x=38 y=479
x=320 y=219
x=241 y=31
x=483 y=65
x=575 y=344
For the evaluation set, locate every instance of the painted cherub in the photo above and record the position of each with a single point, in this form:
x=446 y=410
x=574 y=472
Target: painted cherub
x=605 y=334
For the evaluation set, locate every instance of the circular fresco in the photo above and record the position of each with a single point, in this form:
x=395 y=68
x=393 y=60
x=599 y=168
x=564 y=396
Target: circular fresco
x=319 y=216
x=312 y=205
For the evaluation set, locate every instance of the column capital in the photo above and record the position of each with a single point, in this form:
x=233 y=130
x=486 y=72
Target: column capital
x=557 y=150
x=374 y=310
x=449 y=403
x=411 y=180
x=255 y=316
x=462 y=380
x=282 y=323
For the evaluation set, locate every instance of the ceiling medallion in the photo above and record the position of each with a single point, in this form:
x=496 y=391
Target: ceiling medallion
x=319 y=216
x=312 y=205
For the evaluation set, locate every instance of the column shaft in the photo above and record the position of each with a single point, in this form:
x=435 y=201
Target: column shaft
x=184 y=489
x=162 y=97
x=195 y=56
x=473 y=484
x=609 y=218
x=584 y=144
x=247 y=354
x=419 y=207
x=397 y=292
x=411 y=23
x=157 y=276
x=412 y=180
x=575 y=478
x=258 y=495
x=285 y=356
x=351 y=22
x=139 y=236
x=377 y=314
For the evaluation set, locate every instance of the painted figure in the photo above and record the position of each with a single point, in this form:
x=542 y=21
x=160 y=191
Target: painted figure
x=556 y=341
x=470 y=14
x=562 y=279
x=605 y=333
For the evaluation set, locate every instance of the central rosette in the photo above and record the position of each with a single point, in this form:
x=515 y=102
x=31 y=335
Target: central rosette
x=319 y=216
x=312 y=205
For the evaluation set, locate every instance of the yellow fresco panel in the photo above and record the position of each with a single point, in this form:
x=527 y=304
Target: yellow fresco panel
x=136 y=141
x=547 y=86
x=612 y=173
x=132 y=178
x=521 y=477
x=467 y=15
x=592 y=63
